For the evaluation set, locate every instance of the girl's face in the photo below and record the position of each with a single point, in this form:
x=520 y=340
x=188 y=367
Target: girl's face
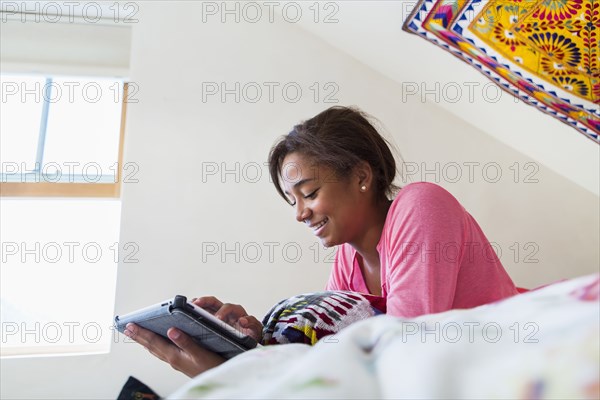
x=332 y=207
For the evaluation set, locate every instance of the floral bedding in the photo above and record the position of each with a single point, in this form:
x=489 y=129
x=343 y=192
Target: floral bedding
x=541 y=344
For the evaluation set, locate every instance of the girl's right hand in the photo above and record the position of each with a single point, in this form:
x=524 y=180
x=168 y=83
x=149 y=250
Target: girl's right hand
x=233 y=314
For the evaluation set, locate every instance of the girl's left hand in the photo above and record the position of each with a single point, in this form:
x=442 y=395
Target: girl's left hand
x=183 y=354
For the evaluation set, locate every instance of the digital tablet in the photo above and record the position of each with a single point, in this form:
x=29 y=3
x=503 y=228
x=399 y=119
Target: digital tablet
x=206 y=329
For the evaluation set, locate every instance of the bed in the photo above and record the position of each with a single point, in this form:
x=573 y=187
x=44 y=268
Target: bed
x=539 y=344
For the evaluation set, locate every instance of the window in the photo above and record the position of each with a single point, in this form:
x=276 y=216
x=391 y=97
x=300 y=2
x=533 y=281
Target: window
x=61 y=130
x=58 y=274
x=61 y=141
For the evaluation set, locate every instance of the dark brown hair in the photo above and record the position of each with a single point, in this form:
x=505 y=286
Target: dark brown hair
x=339 y=138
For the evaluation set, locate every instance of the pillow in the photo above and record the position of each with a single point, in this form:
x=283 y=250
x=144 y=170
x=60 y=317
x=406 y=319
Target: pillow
x=307 y=318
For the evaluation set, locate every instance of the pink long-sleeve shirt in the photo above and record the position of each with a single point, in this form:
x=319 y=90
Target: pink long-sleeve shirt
x=433 y=255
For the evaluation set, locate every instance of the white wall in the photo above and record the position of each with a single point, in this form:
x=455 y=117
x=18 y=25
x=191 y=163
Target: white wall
x=171 y=212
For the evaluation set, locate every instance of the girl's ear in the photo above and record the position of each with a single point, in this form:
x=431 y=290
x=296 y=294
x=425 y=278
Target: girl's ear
x=364 y=174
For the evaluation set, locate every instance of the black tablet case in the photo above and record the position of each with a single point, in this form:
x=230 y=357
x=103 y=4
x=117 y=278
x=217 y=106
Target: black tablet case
x=177 y=313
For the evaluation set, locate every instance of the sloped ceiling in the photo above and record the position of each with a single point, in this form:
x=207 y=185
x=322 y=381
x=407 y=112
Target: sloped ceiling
x=371 y=32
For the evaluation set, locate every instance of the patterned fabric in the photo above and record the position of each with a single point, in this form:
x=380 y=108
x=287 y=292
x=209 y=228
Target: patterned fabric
x=309 y=317
x=545 y=52
x=136 y=390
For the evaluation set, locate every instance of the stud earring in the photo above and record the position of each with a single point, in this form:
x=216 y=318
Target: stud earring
x=363 y=188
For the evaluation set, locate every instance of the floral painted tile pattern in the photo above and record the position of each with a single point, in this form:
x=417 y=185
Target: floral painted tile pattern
x=546 y=52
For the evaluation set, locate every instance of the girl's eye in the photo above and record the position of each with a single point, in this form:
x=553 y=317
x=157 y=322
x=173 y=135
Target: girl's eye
x=311 y=195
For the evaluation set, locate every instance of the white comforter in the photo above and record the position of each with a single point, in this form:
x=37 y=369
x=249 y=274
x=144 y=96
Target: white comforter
x=541 y=344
